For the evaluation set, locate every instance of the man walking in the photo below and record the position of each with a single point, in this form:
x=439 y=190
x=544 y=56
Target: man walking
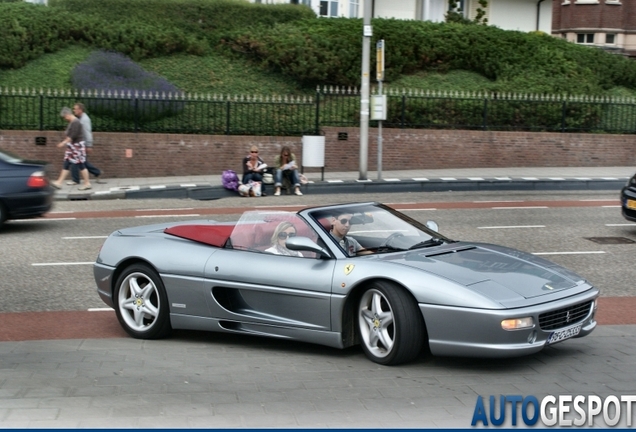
x=87 y=129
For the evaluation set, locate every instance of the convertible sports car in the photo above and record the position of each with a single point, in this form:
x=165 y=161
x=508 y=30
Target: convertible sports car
x=392 y=284
x=628 y=200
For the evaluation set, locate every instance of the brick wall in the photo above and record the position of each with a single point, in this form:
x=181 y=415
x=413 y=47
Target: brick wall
x=157 y=155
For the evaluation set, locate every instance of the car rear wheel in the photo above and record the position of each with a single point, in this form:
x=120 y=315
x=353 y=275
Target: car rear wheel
x=141 y=303
x=390 y=324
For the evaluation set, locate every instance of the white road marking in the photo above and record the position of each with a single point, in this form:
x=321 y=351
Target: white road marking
x=43 y=219
x=335 y=181
x=503 y=178
x=594 y=199
x=185 y=185
x=498 y=201
x=364 y=181
x=270 y=206
x=448 y=178
x=106 y=309
x=609 y=178
x=62 y=264
x=556 y=178
x=529 y=178
x=84 y=237
x=160 y=216
x=569 y=253
x=420 y=179
x=519 y=208
x=582 y=178
x=611 y=206
x=158 y=187
x=623 y=224
x=475 y=178
x=163 y=209
x=392 y=179
x=512 y=226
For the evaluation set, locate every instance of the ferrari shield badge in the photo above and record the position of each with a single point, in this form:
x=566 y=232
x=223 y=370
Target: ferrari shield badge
x=348 y=269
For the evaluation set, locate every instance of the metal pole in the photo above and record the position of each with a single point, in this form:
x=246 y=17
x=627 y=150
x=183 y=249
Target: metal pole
x=380 y=138
x=364 y=90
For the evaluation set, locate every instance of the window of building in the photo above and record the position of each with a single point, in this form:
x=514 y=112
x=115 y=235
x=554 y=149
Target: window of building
x=353 y=8
x=610 y=38
x=329 y=8
x=585 y=38
x=458 y=6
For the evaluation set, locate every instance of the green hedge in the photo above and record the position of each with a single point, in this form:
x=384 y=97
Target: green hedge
x=139 y=29
x=328 y=51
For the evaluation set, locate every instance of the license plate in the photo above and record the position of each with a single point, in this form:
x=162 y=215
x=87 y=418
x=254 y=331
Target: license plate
x=564 y=334
x=631 y=204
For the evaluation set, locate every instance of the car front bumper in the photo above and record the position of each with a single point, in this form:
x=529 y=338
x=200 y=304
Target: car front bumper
x=464 y=332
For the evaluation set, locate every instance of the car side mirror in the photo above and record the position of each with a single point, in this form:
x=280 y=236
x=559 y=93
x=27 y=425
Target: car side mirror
x=306 y=244
x=432 y=225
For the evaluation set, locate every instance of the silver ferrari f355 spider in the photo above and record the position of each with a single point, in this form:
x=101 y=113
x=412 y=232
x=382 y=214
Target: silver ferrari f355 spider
x=342 y=275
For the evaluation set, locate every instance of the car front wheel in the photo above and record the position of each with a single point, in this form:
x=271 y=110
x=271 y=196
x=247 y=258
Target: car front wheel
x=141 y=303
x=390 y=324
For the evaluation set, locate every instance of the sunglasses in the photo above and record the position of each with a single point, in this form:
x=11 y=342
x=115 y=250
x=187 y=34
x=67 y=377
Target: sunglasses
x=252 y=151
x=283 y=235
x=345 y=221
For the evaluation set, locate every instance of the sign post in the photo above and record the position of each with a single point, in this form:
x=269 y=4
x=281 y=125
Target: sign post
x=367 y=33
x=379 y=67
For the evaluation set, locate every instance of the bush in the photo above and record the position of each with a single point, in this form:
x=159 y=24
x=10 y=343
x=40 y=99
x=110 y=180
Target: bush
x=122 y=89
x=324 y=51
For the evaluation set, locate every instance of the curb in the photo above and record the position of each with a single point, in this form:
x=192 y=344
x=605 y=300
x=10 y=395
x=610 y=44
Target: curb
x=209 y=192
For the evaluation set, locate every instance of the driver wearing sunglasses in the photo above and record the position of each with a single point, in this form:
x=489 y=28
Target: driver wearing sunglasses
x=283 y=231
x=340 y=226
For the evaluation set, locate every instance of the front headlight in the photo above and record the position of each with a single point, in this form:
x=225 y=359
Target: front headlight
x=517 y=323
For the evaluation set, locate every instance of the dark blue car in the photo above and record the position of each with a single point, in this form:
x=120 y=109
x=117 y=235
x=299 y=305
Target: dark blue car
x=628 y=199
x=25 y=191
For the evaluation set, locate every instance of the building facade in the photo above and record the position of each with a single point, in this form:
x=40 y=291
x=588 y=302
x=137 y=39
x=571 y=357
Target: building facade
x=522 y=15
x=607 y=24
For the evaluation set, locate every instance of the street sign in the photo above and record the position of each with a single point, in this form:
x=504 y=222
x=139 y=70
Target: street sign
x=379 y=60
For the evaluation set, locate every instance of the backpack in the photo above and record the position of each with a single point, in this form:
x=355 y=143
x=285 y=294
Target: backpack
x=230 y=180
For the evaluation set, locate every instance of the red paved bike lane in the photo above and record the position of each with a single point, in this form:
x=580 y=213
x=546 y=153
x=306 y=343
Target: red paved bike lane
x=22 y=326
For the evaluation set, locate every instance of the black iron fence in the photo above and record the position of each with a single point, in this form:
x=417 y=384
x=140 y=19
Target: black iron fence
x=308 y=114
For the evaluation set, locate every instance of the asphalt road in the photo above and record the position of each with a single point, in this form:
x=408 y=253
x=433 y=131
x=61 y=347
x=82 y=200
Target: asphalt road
x=45 y=263
x=203 y=380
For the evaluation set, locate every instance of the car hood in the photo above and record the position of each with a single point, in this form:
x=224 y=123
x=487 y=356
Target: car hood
x=500 y=273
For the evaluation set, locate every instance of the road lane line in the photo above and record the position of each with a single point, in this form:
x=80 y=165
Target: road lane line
x=621 y=224
x=84 y=237
x=499 y=201
x=168 y=215
x=611 y=206
x=104 y=309
x=519 y=208
x=43 y=219
x=165 y=209
x=62 y=264
x=569 y=253
x=512 y=226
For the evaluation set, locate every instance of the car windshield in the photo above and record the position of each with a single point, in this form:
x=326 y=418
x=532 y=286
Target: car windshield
x=263 y=231
x=378 y=228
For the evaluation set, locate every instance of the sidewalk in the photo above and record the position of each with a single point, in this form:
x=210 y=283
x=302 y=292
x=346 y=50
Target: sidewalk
x=209 y=186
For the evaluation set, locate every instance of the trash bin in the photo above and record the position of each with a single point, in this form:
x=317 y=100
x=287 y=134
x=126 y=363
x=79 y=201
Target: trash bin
x=314 y=153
